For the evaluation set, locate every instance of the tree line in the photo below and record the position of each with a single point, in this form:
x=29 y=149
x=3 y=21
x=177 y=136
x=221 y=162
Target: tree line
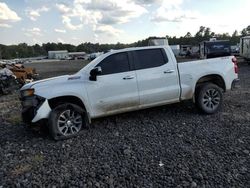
x=24 y=50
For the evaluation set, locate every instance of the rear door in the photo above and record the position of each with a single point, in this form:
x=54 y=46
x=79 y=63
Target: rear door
x=157 y=77
x=115 y=90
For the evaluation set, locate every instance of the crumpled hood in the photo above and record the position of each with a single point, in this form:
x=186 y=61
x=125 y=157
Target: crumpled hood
x=47 y=82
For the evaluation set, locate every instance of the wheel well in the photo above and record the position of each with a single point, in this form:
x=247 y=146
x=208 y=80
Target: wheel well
x=215 y=79
x=70 y=99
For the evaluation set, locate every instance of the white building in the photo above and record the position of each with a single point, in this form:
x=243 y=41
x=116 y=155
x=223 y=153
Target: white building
x=62 y=54
x=245 y=47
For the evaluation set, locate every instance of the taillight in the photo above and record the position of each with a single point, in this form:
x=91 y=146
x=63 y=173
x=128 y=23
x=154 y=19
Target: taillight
x=235 y=62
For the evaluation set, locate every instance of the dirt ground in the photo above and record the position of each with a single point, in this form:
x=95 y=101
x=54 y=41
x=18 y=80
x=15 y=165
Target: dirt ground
x=10 y=105
x=57 y=68
x=170 y=146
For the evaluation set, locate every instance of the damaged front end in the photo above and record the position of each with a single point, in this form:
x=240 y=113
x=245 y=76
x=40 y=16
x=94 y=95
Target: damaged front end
x=34 y=107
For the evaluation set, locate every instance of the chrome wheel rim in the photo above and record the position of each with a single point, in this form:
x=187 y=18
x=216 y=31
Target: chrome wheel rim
x=211 y=99
x=69 y=122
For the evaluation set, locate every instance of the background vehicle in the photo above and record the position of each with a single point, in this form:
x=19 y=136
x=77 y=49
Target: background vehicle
x=185 y=49
x=215 y=48
x=126 y=80
x=235 y=50
x=245 y=47
x=157 y=41
x=8 y=81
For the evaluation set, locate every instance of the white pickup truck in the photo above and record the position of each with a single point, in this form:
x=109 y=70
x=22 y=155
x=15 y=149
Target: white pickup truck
x=126 y=80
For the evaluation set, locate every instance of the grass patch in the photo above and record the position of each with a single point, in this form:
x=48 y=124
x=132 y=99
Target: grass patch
x=37 y=159
x=14 y=119
x=21 y=169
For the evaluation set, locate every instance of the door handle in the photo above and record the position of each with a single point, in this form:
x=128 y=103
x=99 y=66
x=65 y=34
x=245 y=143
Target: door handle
x=168 y=71
x=128 y=77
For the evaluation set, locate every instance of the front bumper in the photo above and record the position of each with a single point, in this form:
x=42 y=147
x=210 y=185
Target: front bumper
x=235 y=84
x=28 y=114
x=34 y=109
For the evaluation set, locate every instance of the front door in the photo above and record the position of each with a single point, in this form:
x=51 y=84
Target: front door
x=115 y=90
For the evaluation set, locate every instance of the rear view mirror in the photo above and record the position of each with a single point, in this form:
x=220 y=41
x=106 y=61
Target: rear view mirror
x=94 y=73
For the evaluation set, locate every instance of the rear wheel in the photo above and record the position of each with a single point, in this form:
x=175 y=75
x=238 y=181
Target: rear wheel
x=66 y=121
x=209 y=98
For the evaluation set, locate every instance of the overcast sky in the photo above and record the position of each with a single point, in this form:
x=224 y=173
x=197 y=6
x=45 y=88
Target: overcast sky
x=112 y=21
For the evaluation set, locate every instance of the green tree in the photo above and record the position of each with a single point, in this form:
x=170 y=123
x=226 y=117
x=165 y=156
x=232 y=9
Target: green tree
x=248 y=30
x=244 y=32
x=204 y=33
x=207 y=33
x=235 y=33
x=201 y=31
x=188 y=35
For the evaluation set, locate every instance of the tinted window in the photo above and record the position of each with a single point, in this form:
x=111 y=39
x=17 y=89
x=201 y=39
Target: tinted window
x=149 y=58
x=115 y=63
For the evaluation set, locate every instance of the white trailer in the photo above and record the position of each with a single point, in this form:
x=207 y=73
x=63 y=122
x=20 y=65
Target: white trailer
x=245 y=47
x=158 y=41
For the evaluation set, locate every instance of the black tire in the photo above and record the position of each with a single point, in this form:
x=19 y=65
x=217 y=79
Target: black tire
x=62 y=121
x=209 y=98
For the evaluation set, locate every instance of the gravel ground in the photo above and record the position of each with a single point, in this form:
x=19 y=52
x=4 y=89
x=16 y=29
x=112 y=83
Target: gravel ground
x=171 y=146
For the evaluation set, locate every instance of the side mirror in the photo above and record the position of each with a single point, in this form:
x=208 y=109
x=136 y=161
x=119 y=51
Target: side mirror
x=94 y=73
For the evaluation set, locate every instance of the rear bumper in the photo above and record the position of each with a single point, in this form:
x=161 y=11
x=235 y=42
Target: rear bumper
x=235 y=84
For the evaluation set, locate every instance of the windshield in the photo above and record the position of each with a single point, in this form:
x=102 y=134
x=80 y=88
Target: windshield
x=93 y=61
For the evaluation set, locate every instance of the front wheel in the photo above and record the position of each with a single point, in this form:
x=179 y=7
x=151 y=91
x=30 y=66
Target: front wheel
x=209 y=98
x=66 y=121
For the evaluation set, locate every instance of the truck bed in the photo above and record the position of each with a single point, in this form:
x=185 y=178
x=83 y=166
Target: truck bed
x=192 y=70
x=186 y=59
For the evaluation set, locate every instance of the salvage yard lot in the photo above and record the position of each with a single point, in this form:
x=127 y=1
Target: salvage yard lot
x=57 y=68
x=160 y=147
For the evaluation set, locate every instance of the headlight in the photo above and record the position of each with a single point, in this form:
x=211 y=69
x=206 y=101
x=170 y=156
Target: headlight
x=27 y=93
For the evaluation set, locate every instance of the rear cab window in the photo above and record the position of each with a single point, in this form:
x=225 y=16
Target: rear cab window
x=149 y=58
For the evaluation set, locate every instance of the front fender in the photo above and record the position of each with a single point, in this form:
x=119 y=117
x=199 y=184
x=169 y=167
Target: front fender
x=75 y=89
